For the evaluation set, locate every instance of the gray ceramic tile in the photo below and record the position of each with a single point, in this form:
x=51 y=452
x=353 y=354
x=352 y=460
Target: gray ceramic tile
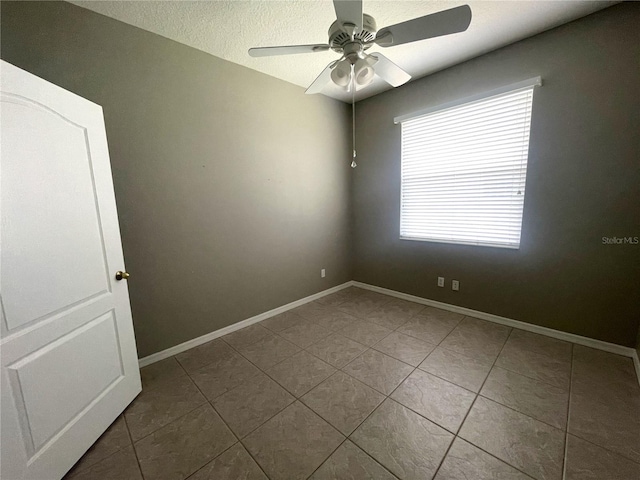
x=540 y=344
x=203 y=355
x=234 y=464
x=335 y=320
x=247 y=336
x=438 y=400
x=305 y=334
x=537 y=399
x=605 y=401
x=597 y=372
x=586 y=461
x=115 y=438
x=355 y=291
x=335 y=299
x=348 y=462
x=343 y=401
x=408 y=445
x=602 y=367
x=185 y=445
x=283 y=321
x=363 y=304
x=160 y=372
x=158 y=407
x=457 y=368
x=613 y=423
x=537 y=357
x=269 y=351
x=477 y=338
x=529 y=445
x=379 y=371
x=431 y=325
x=293 y=444
x=300 y=373
x=122 y=465
x=403 y=347
x=366 y=333
x=221 y=376
x=249 y=405
x=394 y=314
x=464 y=461
x=337 y=350
x=311 y=310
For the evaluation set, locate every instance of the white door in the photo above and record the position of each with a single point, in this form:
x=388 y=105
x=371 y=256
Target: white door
x=69 y=362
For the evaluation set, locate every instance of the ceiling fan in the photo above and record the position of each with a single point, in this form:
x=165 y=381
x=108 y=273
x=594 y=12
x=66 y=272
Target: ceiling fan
x=355 y=32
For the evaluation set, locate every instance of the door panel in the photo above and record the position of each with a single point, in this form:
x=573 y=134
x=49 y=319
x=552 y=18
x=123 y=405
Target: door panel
x=59 y=220
x=36 y=377
x=69 y=362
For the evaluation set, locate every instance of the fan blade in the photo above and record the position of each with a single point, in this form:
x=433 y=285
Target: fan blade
x=287 y=50
x=389 y=71
x=324 y=78
x=349 y=11
x=446 y=22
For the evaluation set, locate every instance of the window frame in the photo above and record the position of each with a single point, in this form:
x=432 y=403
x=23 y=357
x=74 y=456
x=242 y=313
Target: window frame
x=528 y=84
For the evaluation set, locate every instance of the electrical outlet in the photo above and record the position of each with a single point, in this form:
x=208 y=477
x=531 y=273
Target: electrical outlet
x=455 y=285
x=322 y=273
x=441 y=281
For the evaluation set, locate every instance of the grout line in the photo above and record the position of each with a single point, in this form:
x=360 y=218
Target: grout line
x=456 y=434
x=566 y=436
x=313 y=320
x=371 y=347
x=386 y=397
x=363 y=451
x=496 y=319
x=296 y=397
x=133 y=445
x=329 y=456
x=417 y=368
x=260 y=370
x=119 y=449
x=254 y=459
x=238 y=440
x=133 y=442
x=166 y=424
x=212 y=460
x=617 y=454
x=522 y=413
x=496 y=458
x=531 y=377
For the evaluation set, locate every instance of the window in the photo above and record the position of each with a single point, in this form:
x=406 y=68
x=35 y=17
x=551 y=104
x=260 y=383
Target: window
x=464 y=168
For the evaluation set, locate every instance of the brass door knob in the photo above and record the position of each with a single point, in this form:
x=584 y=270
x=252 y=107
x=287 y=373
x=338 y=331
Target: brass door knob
x=121 y=275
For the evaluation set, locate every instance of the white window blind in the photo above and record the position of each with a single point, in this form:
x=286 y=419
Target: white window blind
x=464 y=170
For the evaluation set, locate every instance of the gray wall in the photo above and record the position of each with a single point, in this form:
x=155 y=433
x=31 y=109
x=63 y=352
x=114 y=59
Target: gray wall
x=583 y=183
x=232 y=186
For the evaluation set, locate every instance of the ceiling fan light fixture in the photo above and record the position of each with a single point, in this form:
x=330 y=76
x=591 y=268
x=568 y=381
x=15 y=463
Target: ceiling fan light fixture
x=341 y=74
x=363 y=72
x=353 y=32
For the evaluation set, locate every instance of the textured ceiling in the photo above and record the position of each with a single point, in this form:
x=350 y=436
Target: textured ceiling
x=227 y=29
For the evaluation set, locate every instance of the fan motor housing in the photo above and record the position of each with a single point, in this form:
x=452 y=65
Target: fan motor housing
x=338 y=37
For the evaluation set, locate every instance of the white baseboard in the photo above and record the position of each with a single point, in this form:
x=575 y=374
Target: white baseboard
x=169 y=352
x=549 y=332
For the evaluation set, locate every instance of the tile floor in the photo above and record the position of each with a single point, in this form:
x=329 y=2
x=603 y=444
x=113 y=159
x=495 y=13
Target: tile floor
x=359 y=385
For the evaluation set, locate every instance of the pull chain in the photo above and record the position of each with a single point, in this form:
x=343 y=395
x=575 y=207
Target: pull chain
x=353 y=119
